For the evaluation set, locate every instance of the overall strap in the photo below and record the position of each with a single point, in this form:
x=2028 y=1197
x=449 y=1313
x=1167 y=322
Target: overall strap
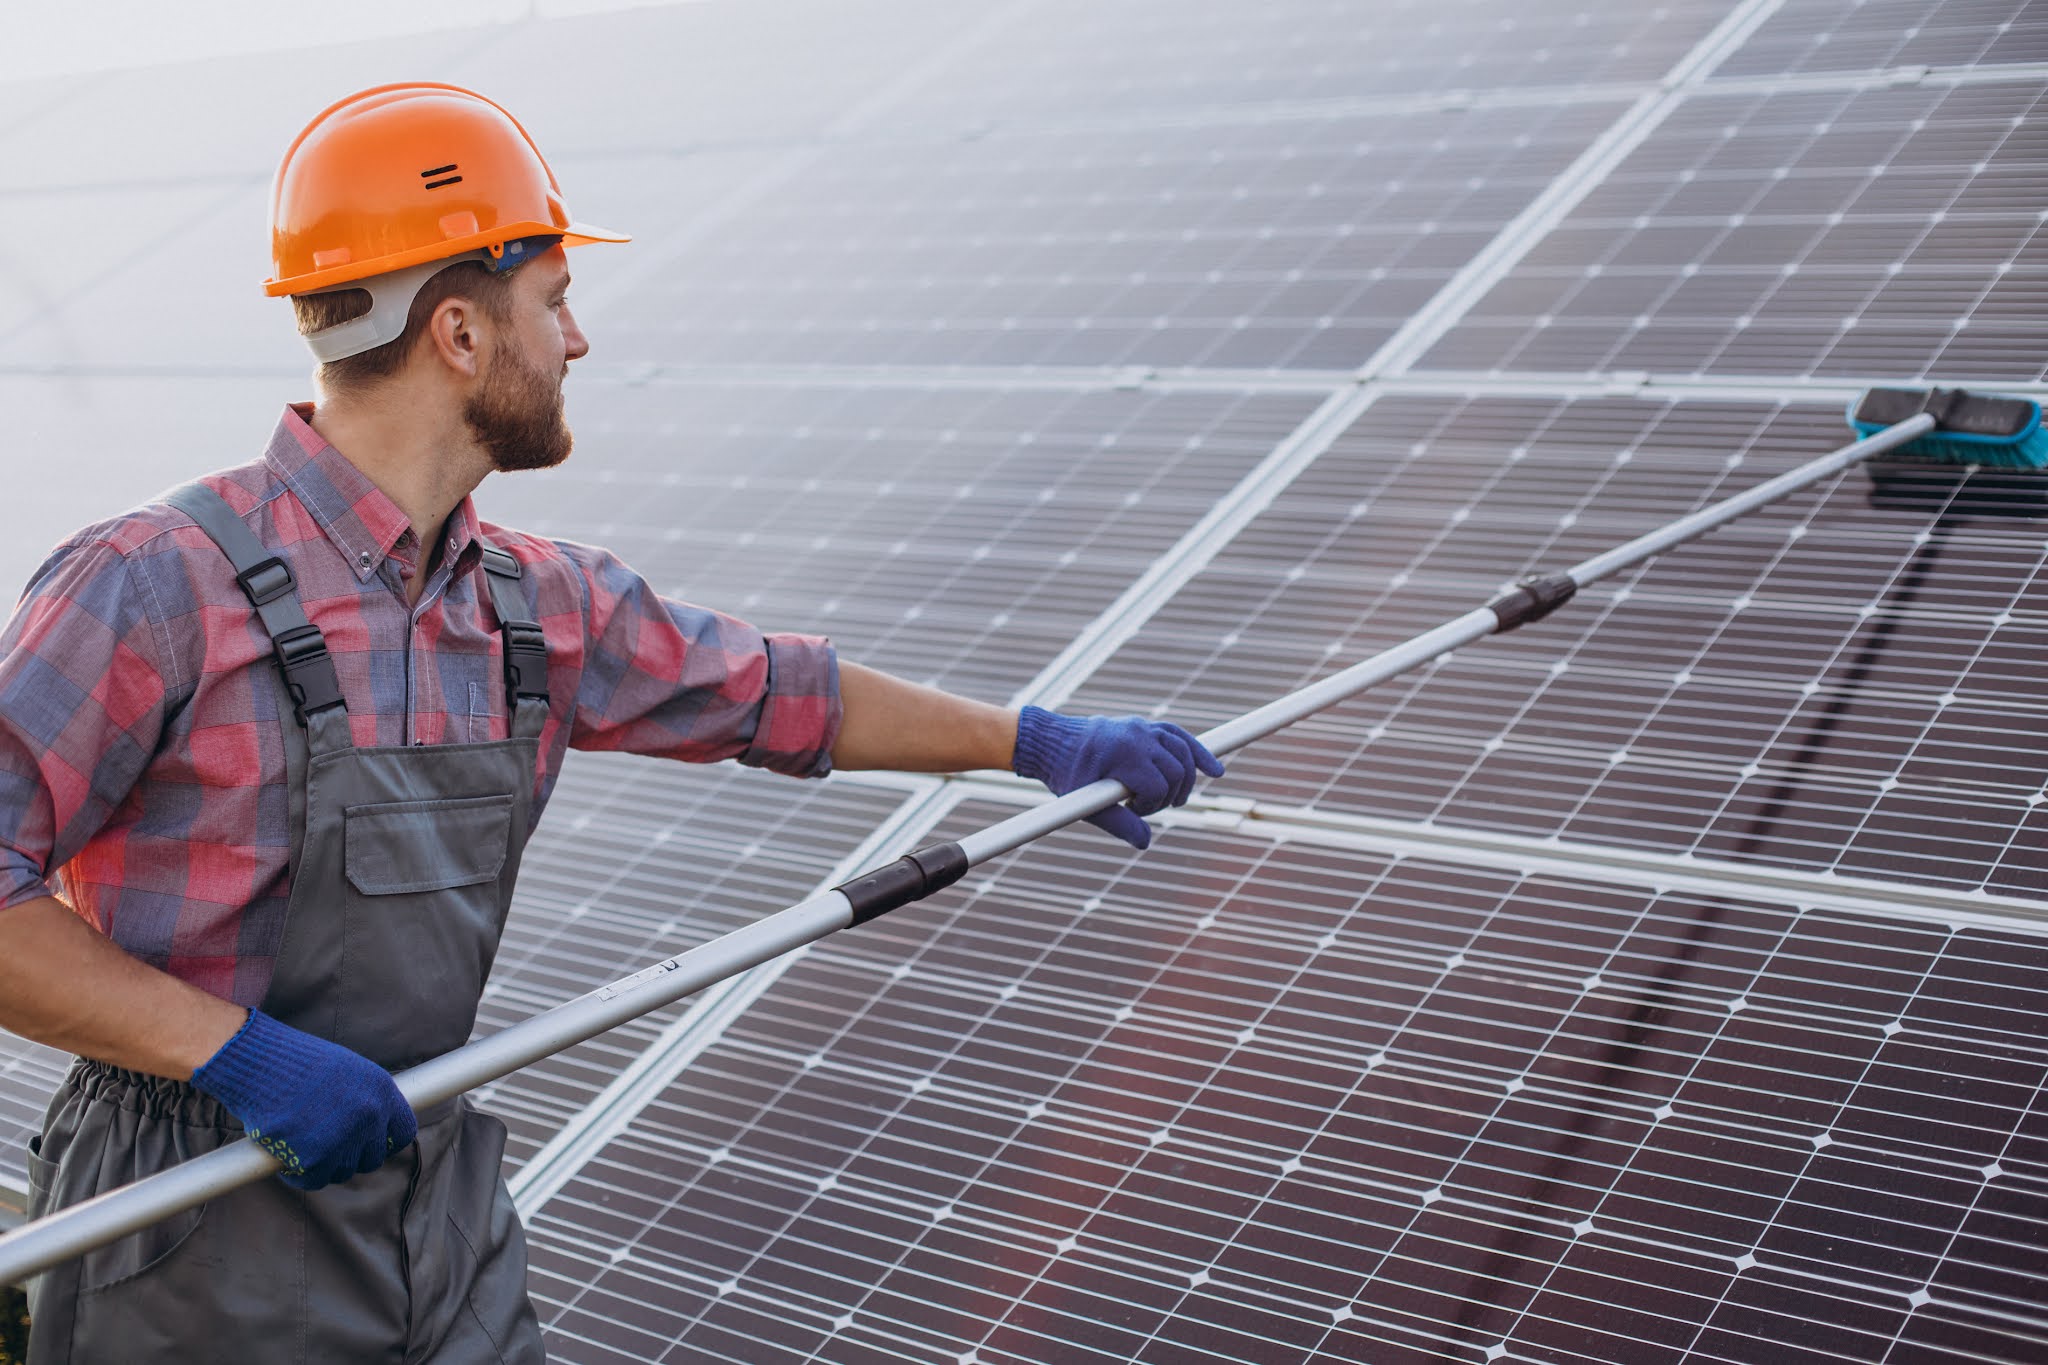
x=525 y=646
x=301 y=649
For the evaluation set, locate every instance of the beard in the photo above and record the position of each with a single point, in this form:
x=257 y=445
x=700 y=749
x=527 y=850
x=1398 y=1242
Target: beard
x=517 y=416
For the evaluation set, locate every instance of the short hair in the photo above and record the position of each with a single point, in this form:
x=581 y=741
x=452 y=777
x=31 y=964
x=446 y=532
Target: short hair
x=465 y=279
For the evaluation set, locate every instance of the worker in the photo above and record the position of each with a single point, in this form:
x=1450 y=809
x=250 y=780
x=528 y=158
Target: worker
x=270 y=749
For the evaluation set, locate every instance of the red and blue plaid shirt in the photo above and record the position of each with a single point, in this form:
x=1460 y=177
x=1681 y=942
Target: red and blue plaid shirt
x=141 y=738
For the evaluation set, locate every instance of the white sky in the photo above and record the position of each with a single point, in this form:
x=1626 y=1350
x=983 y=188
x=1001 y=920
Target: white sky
x=65 y=36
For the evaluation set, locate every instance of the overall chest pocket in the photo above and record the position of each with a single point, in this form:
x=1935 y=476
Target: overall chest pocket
x=428 y=886
x=406 y=847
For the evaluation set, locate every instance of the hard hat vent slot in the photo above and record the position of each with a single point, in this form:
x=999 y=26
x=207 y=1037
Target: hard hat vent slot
x=433 y=184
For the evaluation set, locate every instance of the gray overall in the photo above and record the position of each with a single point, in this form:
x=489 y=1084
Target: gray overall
x=403 y=860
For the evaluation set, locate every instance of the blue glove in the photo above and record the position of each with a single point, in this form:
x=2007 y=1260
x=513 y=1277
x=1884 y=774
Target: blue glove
x=324 y=1112
x=1157 y=761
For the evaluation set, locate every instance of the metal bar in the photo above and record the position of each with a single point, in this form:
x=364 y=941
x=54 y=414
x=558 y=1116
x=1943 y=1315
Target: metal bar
x=50 y=1241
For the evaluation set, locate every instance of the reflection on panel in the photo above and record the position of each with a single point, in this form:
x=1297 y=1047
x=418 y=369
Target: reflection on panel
x=207 y=122
x=102 y=231
x=1063 y=58
x=1234 y=1101
x=1823 y=684
x=676 y=77
x=637 y=860
x=64 y=423
x=961 y=535
x=1857 y=35
x=203 y=268
x=1300 y=243
x=1891 y=232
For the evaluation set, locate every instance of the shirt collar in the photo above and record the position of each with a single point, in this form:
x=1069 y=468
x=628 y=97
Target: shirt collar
x=361 y=521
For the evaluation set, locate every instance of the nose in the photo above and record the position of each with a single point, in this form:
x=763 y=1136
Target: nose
x=575 y=344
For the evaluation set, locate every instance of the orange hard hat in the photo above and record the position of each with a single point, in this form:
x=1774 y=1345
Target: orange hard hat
x=403 y=175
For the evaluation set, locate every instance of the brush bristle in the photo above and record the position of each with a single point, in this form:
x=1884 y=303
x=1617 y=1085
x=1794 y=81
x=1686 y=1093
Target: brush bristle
x=2026 y=452
x=2024 y=448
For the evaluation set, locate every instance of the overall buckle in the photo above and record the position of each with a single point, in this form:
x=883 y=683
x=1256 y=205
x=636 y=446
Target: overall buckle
x=266 y=582
x=308 y=672
x=526 y=660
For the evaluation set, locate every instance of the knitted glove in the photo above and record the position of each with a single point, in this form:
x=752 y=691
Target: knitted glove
x=1157 y=761
x=324 y=1112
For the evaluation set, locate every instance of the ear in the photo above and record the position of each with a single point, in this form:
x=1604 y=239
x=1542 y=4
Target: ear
x=455 y=335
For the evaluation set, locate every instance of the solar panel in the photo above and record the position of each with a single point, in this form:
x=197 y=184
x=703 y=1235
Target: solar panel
x=98 y=234
x=1250 y=1101
x=681 y=77
x=1858 y=35
x=213 y=121
x=1299 y=243
x=959 y=534
x=1067 y=59
x=1823 y=685
x=1875 y=232
x=29 y=1074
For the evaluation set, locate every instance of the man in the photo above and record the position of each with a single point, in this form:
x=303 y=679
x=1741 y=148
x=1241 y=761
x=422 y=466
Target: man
x=283 y=735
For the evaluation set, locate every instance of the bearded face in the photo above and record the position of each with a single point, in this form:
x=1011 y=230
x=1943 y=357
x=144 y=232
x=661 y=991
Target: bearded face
x=517 y=414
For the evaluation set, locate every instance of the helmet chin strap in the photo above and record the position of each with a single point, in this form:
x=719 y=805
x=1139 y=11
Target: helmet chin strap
x=391 y=295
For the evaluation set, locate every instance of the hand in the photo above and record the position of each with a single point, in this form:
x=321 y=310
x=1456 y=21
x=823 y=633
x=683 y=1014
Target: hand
x=1158 y=762
x=324 y=1112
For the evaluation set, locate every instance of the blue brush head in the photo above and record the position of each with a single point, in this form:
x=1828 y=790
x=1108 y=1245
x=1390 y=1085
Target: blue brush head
x=1980 y=429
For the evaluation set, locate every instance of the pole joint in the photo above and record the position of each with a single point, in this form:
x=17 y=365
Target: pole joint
x=1531 y=599
x=910 y=878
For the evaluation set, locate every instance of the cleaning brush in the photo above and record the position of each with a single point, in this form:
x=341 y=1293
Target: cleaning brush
x=1970 y=428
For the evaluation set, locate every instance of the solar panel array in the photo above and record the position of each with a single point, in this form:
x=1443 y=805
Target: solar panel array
x=1257 y=1102
x=1660 y=983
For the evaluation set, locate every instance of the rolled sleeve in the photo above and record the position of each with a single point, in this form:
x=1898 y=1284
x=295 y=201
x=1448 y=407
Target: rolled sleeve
x=800 y=712
x=672 y=680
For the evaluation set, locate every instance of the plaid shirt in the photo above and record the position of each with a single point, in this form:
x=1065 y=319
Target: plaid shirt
x=141 y=740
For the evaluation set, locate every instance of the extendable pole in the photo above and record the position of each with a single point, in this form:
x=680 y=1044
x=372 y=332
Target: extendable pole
x=71 y=1232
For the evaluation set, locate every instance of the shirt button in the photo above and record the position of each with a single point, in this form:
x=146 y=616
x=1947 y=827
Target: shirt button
x=364 y=559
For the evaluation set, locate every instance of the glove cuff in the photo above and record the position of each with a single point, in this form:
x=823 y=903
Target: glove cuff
x=264 y=1057
x=1041 y=738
